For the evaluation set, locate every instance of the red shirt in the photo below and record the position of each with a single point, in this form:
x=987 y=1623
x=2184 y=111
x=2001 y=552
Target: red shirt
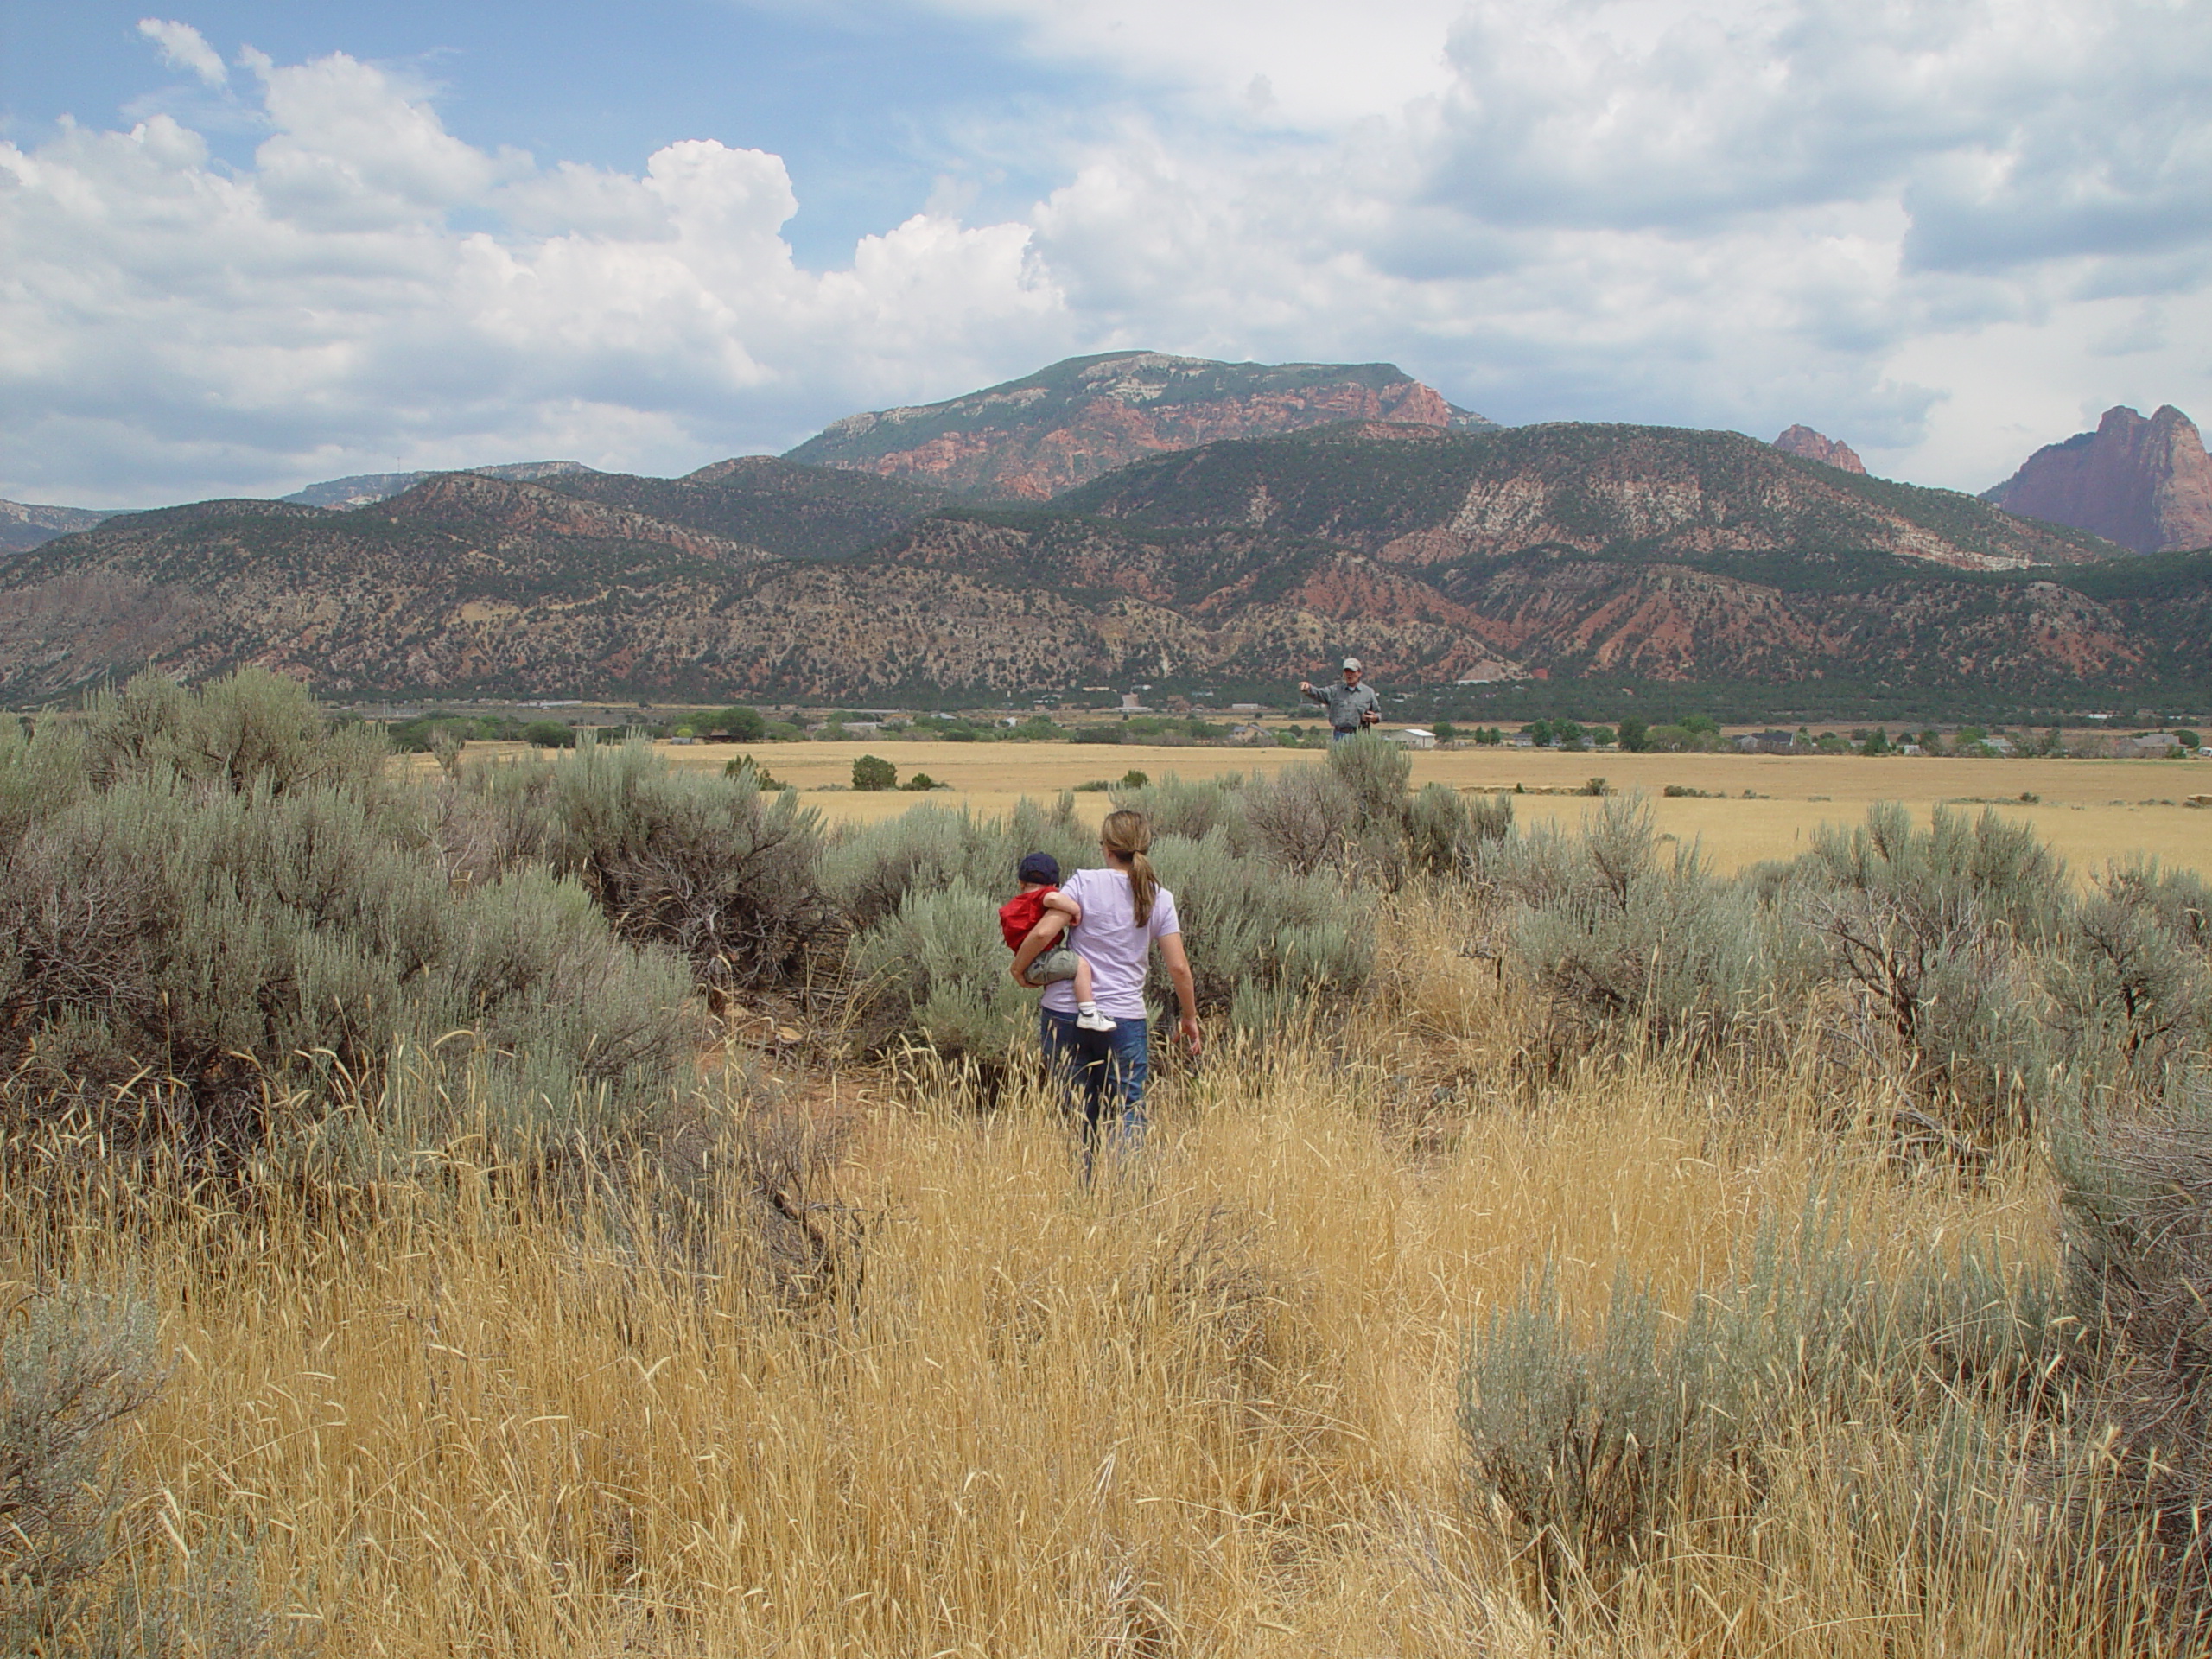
x=1021 y=913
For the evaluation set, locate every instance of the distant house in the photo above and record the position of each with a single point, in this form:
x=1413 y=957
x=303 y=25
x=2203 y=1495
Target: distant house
x=1911 y=749
x=1765 y=743
x=1243 y=708
x=2151 y=743
x=1249 y=734
x=1414 y=737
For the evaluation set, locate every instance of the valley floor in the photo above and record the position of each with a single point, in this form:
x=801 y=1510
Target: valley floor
x=2090 y=812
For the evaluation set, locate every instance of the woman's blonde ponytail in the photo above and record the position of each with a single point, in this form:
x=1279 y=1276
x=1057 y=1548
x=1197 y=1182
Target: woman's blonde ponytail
x=1127 y=834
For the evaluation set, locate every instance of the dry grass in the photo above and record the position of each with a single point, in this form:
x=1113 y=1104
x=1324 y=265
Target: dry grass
x=1204 y=1407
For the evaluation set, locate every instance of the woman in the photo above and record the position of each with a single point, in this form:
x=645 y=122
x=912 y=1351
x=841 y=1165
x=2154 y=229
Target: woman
x=1121 y=912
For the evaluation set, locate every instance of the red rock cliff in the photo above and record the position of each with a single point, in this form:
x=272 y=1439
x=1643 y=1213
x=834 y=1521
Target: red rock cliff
x=2144 y=484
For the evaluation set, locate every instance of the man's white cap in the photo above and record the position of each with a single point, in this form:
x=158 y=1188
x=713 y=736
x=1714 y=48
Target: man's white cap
x=1352 y=663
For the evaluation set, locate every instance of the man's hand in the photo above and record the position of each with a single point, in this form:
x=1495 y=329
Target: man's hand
x=1305 y=686
x=1369 y=717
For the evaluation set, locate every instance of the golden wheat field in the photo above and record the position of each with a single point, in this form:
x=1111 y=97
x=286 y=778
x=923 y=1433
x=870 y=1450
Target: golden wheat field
x=2090 y=812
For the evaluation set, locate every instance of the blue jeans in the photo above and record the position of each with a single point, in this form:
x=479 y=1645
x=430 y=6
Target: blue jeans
x=1339 y=733
x=1095 y=1066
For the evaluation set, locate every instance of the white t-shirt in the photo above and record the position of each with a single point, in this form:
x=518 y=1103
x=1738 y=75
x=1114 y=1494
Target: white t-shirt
x=1110 y=940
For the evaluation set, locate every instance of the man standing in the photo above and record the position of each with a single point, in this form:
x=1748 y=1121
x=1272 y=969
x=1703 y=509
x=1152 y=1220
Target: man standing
x=1351 y=705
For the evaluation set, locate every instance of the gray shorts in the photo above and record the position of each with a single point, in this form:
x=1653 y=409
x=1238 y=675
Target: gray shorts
x=1058 y=963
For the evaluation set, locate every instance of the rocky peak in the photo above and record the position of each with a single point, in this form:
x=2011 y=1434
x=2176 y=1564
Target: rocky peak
x=2146 y=484
x=1803 y=441
x=1030 y=439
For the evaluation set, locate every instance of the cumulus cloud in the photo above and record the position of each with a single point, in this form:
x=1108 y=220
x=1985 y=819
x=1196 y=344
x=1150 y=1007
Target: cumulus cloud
x=1923 y=226
x=183 y=46
x=374 y=290
x=1739 y=213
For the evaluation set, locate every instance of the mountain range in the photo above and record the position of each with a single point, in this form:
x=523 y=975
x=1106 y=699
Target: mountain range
x=1440 y=549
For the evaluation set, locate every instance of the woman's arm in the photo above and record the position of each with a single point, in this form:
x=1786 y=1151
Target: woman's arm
x=1187 y=993
x=1048 y=928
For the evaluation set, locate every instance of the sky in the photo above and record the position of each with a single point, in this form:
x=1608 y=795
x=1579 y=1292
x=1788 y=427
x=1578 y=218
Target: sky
x=245 y=245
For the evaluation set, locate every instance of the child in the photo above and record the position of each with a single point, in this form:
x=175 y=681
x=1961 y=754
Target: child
x=1040 y=881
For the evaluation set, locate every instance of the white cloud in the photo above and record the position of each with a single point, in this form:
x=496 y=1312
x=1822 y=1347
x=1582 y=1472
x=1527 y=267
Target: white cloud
x=1319 y=62
x=374 y=290
x=183 y=46
x=1942 y=230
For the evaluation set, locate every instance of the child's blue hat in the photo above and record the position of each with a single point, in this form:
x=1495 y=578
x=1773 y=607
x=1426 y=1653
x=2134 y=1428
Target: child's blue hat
x=1041 y=867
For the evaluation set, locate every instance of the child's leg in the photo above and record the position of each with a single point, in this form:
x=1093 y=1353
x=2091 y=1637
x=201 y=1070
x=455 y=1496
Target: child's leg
x=1088 y=1017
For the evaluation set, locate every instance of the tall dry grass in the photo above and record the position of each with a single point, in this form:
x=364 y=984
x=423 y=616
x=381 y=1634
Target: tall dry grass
x=1205 y=1405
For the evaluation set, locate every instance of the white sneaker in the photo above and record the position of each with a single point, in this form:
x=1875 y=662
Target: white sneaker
x=1091 y=1019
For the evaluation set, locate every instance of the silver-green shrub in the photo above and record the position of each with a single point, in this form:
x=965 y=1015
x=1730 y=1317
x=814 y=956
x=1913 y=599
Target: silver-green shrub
x=869 y=870
x=1446 y=831
x=1378 y=773
x=1591 y=1448
x=176 y=953
x=1935 y=931
x=81 y=1569
x=1193 y=808
x=936 y=969
x=1303 y=819
x=710 y=864
x=1616 y=931
x=1264 y=941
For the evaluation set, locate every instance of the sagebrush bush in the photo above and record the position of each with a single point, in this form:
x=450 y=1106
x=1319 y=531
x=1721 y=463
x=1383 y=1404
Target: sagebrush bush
x=1614 y=931
x=1932 y=929
x=937 y=969
x=921 y=892
x=177 y=949
x=869 y=870
x=1303 y=819
x=247 y=730
x=2130 y=976
x=2138 y=1192
x=83 y=1568
x=1191 y=808
x=719 y=869
x=1261 y=940
x=1378 y=773
x=1446 y=831
x=1592 y=1447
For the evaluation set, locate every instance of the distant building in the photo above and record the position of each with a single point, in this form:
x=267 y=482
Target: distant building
x=2152 y=743
x=1257 y=735
x=1911 y=749
x=1775 y=742
x=1412 y=737
x=1243 y=708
